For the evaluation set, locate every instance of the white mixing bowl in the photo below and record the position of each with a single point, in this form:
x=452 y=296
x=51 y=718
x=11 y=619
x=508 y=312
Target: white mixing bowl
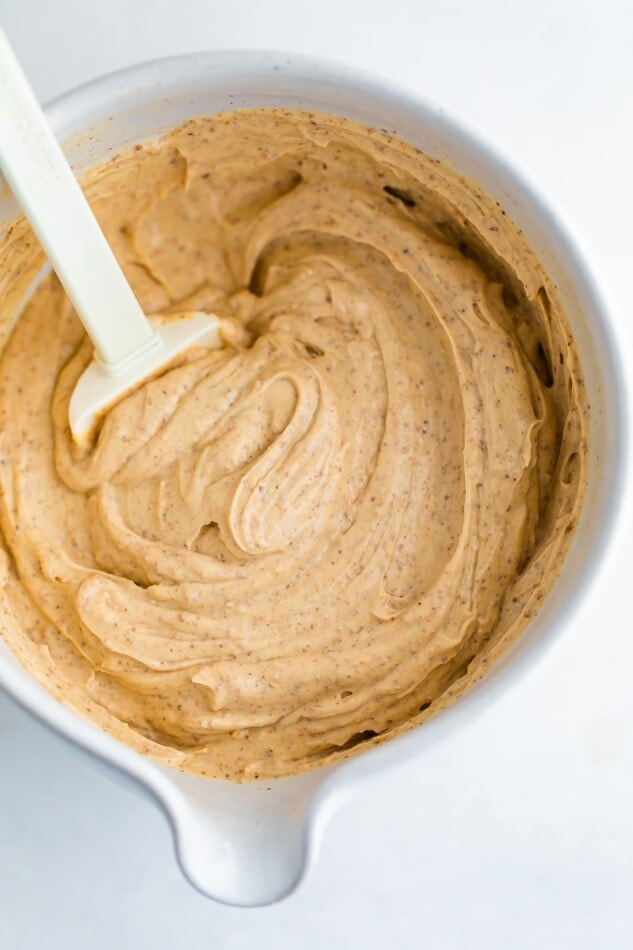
x=251 y=844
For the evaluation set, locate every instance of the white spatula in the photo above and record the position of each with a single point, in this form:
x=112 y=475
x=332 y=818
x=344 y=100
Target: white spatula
x=128 y=347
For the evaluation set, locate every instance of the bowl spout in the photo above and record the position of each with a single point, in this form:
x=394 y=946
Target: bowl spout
x=247 y=844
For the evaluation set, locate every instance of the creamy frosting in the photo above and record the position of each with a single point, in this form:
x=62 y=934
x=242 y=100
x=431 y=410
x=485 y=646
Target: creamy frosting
x=273 y=555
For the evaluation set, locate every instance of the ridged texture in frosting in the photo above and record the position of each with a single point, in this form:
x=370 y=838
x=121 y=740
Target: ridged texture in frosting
x=276 y=553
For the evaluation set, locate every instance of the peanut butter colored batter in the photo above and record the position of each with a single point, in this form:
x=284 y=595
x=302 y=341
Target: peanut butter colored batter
x=276 y=554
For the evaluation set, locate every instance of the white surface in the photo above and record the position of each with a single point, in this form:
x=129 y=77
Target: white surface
x=518 y=832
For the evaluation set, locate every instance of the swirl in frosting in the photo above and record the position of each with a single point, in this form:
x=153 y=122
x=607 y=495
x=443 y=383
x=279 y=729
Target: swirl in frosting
x=272 y=555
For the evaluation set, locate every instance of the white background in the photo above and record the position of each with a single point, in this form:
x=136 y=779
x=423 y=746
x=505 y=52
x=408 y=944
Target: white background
x=516 y=833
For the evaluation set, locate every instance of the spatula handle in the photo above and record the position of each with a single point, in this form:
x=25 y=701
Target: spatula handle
x=42 y=181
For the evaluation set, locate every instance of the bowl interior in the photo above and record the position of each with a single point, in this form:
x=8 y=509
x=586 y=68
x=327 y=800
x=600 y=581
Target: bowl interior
x=140 y=103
